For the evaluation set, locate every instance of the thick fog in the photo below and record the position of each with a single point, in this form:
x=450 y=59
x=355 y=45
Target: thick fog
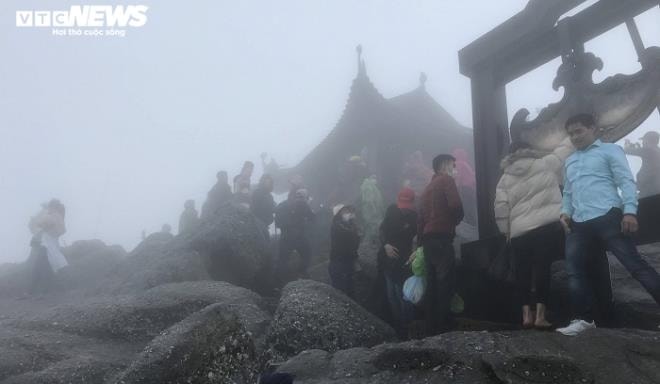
x=124 y=129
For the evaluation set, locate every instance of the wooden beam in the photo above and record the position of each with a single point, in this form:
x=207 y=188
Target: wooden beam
x=534 y=49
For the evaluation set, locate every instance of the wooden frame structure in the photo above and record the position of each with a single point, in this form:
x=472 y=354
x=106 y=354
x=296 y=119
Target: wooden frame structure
x=532 y=38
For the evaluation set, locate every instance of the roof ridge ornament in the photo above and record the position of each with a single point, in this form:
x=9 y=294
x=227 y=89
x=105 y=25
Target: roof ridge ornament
x=362 y=68
x=422 y=80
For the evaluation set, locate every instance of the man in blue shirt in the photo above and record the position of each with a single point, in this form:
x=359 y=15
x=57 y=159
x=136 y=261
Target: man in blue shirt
x=594 y=211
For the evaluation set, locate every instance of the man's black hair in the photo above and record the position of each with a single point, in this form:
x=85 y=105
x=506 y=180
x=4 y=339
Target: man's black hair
x=440 y=160
x=586 y=119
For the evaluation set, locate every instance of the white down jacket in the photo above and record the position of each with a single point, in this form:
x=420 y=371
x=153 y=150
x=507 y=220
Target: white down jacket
x=528 y=194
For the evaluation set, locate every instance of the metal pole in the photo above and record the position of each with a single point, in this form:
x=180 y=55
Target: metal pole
x=636 y=38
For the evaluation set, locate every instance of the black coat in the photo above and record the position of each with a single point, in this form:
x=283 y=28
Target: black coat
x=263 y=205
x=398 y=229
x=344 y=242
x=294 y=217
x=217 y=196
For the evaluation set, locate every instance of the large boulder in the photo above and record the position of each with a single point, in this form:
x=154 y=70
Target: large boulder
x=159 y=259
x=44 y=356
x=233 y=246
x=76 y=370
x=92 y=249
x=142 y=316
x=210 y=346
x=15 y=278
x=90 y=261
x=597 y=356
x=313 y=315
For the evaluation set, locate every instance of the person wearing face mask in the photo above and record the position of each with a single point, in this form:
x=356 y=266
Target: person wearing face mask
x=441 y=210
x=527 y=205
x=344 y=244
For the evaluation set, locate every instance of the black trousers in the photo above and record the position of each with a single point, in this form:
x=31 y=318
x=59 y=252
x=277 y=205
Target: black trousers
x=440 y=265
x=533 y=253
x=342 y=277
x=43 y=276
x=288 y=244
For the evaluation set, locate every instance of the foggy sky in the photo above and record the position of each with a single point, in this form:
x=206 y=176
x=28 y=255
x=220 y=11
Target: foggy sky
x=124 y=130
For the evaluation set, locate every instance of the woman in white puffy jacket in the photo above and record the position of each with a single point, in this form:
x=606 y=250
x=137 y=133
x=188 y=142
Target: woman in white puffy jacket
x=46 y=256
x=527 y=207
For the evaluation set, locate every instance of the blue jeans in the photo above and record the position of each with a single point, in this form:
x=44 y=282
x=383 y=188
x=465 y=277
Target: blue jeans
x=605 y=230
x=400 y=309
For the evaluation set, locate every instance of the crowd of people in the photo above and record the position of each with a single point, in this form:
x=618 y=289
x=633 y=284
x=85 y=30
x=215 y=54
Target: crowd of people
x=579 y=200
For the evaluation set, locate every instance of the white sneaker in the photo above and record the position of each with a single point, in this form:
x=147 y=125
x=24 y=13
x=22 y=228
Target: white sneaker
x=576 y=327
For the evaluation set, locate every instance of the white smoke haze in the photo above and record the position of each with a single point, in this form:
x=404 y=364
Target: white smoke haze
x=124 y=129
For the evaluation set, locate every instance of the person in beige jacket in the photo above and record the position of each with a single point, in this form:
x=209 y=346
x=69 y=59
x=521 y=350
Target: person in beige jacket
x=527 y=206
x=46 y=256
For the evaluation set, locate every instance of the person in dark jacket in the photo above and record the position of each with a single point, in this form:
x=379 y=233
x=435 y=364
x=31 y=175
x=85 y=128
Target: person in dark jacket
x=263 y=204
x=294 y=217
x=189 y=219
x=441 y=211
x=397 y=232
x=344 y=244
x=217 y=196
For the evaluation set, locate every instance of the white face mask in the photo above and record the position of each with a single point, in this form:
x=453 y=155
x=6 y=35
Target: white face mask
x=347 y=217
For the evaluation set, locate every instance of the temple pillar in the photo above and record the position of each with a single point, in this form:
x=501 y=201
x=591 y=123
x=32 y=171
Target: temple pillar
x=491 y=143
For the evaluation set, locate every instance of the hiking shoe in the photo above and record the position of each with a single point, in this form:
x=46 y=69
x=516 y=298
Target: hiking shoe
x=576 y=327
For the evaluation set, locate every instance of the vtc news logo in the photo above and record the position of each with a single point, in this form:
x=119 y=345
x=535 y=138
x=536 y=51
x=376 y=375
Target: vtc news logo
x=86 y=16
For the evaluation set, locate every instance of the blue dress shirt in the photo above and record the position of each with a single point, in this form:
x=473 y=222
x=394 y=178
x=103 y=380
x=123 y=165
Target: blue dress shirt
x=593 y=178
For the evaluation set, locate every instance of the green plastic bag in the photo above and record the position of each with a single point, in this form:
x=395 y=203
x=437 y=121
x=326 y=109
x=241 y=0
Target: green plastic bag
x=418 y=265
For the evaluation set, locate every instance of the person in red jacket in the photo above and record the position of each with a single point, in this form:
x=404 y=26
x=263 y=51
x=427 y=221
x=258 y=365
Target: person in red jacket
x=441 y=210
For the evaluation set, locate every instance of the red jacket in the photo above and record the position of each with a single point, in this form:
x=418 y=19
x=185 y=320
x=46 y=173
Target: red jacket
x=441 y=207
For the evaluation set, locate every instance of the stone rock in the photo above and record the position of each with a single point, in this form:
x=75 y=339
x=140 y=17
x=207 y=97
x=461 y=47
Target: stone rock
x=233 y=246
x=159 y=259
x=365 y=278
x=42 y=356
x=79 y=370
x=90 y=261
x=597 y=356
x=15 y=279
x=210 y=346
x=82 y=250
x=145 y=315
x=312 y=315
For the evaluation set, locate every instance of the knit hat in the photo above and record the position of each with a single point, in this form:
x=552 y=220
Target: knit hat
x=406 y=199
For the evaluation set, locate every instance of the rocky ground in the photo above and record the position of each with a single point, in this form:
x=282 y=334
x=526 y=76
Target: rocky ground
x=200 y=309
